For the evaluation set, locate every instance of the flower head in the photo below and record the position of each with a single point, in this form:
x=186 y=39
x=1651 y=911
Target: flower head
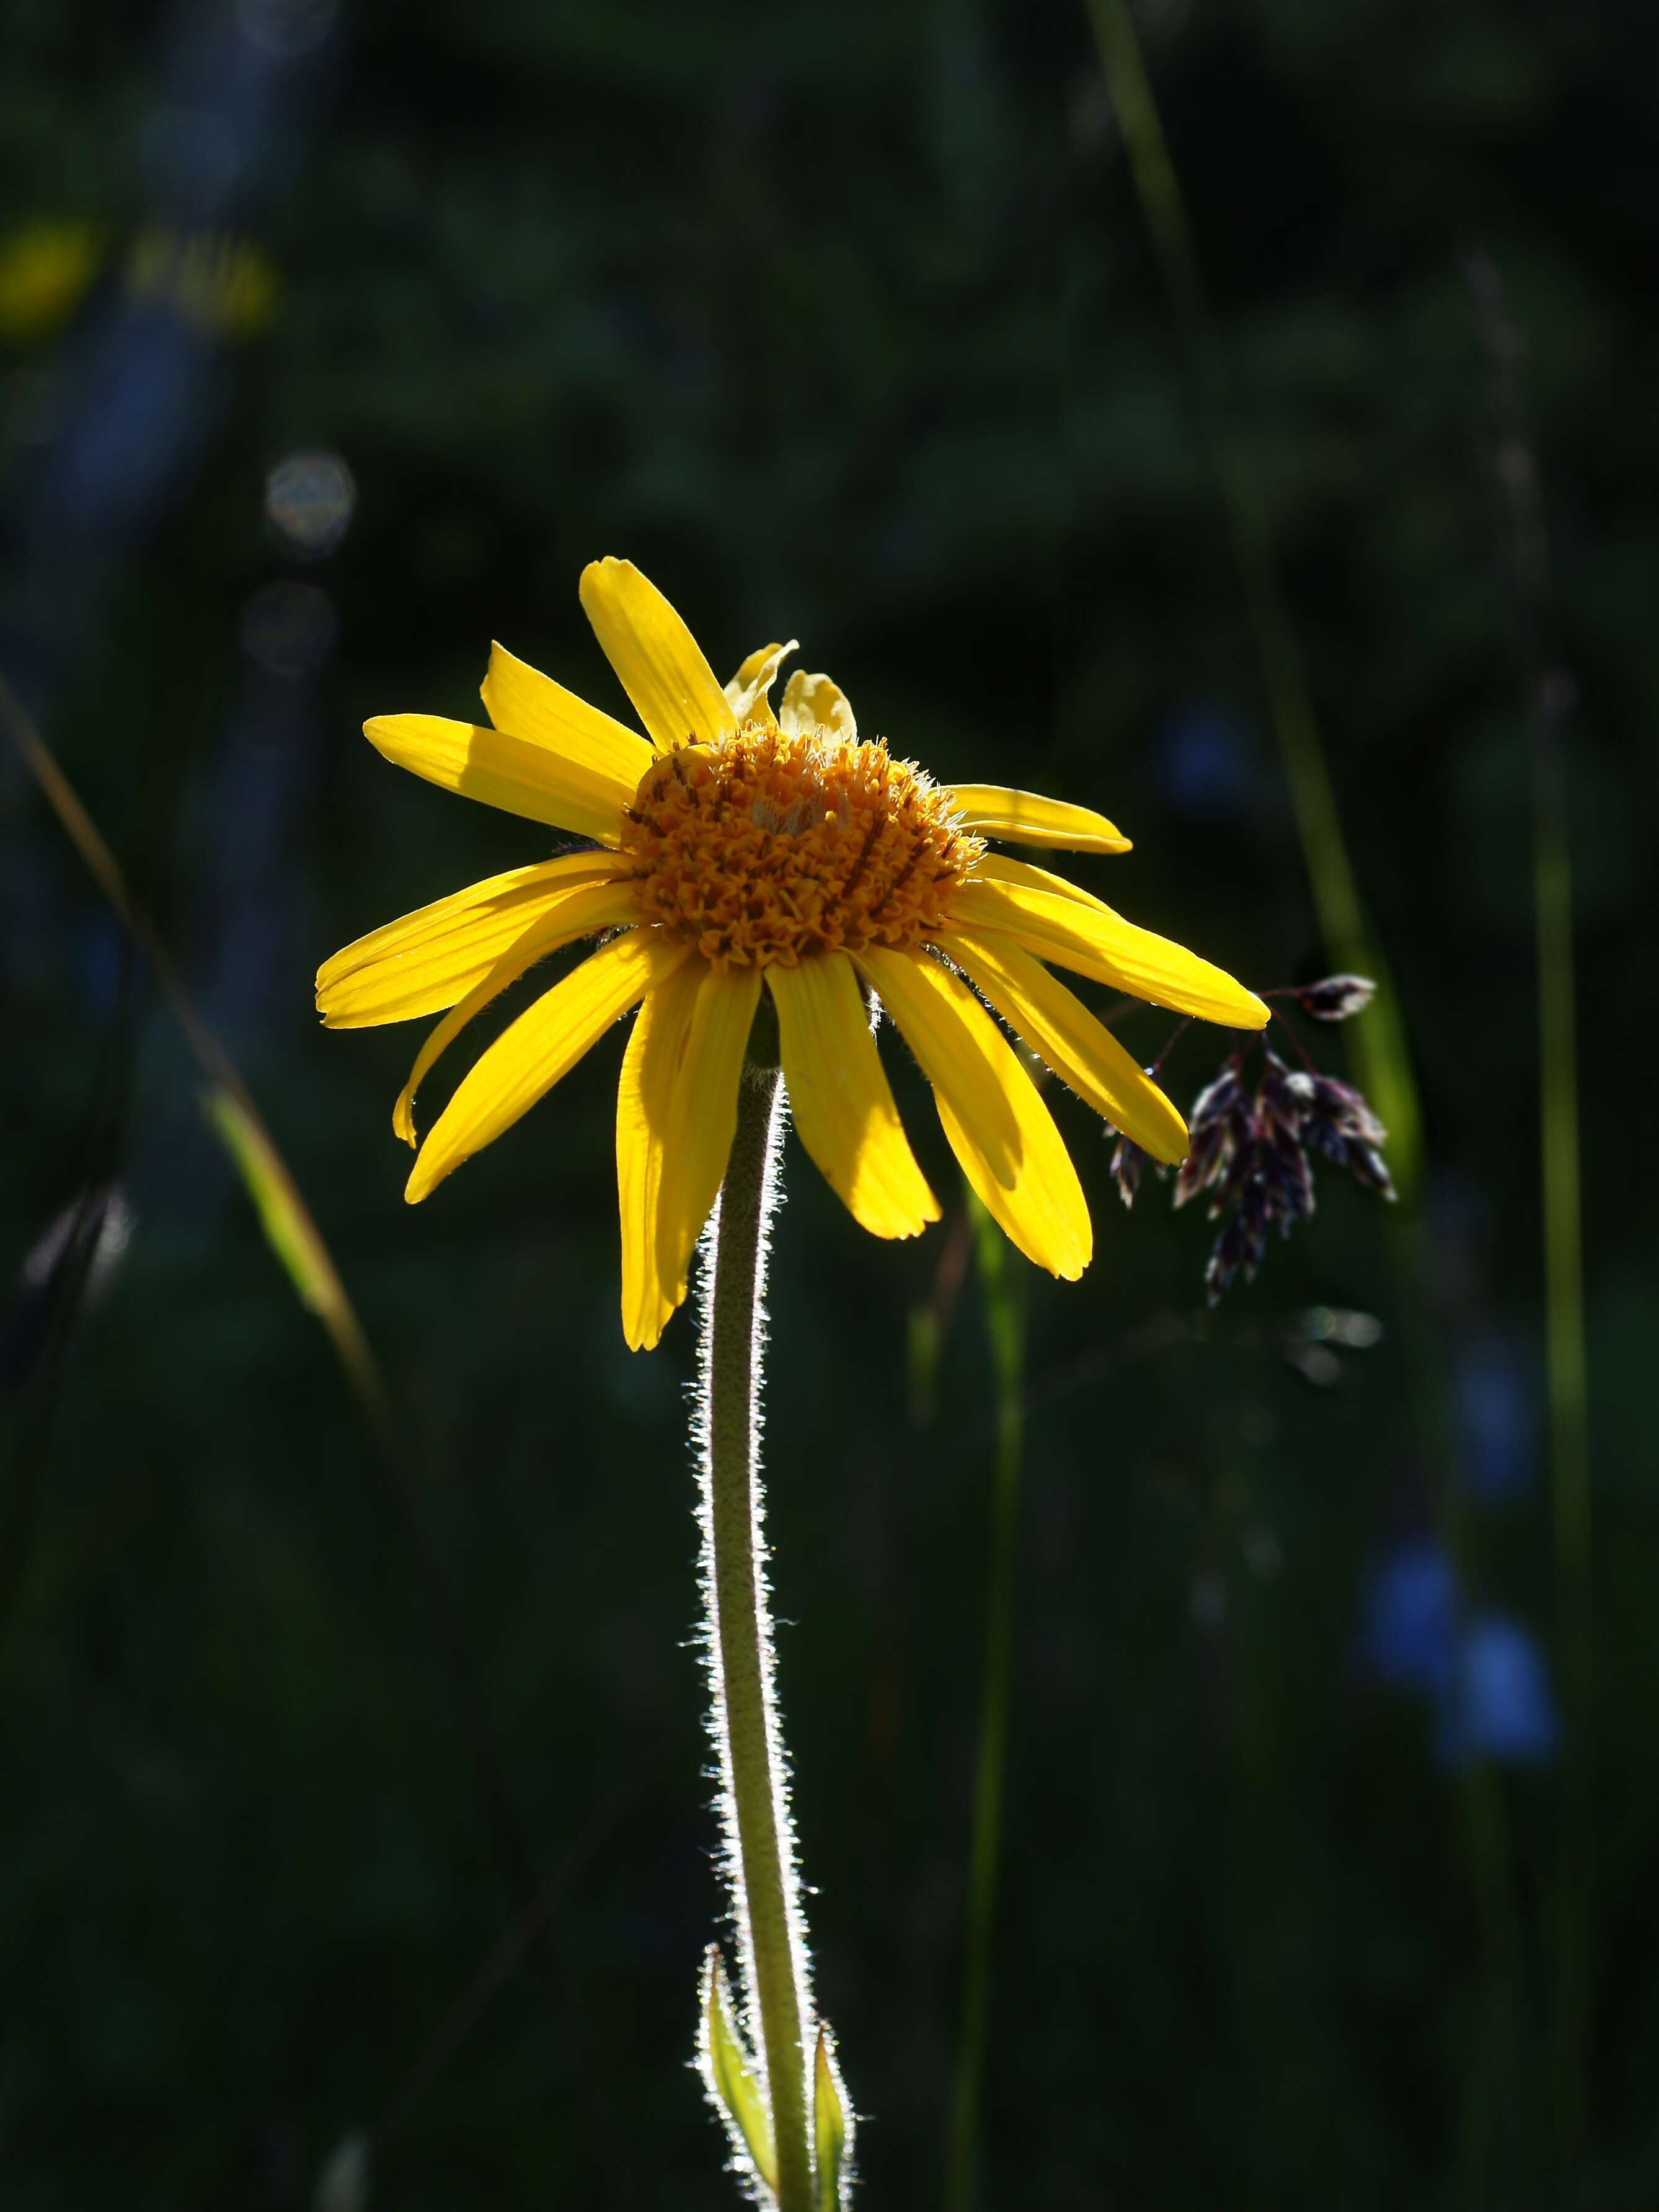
x=737 y=851
x=1253 y=1155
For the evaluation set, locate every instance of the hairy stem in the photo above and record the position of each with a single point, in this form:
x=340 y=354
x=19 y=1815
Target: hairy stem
x=765 y=1902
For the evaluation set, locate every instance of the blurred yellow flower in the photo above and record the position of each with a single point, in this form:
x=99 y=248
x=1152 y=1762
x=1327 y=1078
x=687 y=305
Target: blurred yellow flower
x=738 y=851
x=45 y=267
x=221 y=284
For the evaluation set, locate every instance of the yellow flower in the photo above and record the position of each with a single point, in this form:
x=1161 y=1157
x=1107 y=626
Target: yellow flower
x=45 y=268
x=218 y=283
x=737 y=850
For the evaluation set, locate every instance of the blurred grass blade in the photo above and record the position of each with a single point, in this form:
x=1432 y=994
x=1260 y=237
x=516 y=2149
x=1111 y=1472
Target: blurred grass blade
x=1551 y=698
x=922 y=1365
x=731 y=2074
x=300 y=1245
x=232 y=1114
x=292 y=1236
x=1564 y=1255
x=1004 y=1306
x=930 y=1324
x=1566 y=1367
x=61 y=796
x=829 y=2125
x=1377 y=1037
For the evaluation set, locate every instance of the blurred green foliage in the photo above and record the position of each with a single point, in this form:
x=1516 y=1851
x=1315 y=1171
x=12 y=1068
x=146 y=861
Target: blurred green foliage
x=842 y=322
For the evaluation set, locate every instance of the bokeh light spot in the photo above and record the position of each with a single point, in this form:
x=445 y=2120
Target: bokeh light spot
x=310 y=498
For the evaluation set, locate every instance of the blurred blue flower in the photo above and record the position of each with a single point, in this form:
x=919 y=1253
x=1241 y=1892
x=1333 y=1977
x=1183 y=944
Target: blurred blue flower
x=1499 y=1704
x=1201 y=762
x=1484 y=1674
x=1496 y=1408
x=1408 y=1618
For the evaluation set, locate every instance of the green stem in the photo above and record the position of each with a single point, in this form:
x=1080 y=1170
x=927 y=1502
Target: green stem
x=1004 y=1322
x=1568 y=1408
x=759 y=1854
x=1550 y=690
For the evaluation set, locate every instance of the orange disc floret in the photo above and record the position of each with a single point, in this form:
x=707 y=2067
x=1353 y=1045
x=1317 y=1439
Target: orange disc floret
x=765 y=848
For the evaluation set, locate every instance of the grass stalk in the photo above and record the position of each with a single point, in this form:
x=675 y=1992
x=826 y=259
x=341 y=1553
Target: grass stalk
x=1376 y=1037
x=1005 y=1326
x=1549 y=691
x=1565 y=1368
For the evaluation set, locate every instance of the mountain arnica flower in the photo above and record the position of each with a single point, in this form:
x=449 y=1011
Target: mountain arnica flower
x=759 y=884
x=735 y=852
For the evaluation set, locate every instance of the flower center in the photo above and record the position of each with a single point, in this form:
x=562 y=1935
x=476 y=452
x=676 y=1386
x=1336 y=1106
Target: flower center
x=765 y=848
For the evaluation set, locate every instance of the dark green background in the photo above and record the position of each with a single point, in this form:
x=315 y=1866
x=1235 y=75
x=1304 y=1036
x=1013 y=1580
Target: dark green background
x=841 y=321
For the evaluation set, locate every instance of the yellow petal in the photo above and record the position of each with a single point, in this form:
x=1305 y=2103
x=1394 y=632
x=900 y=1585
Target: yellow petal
x=1027 y=818
x=509 y=772
x=580 y=914
x=749 y=690
x=1002 y=868
x=676 y=1109
x=814 y=702
x=1091 y=939
x=1052 y=1230
x=644 y=1136
x=674 y=1125
x=433 y=956
x=998 y=1127
x=521 y=701
x=1062 y=1031
x=659 y=661
x=839 y=1097
x=545 y=1043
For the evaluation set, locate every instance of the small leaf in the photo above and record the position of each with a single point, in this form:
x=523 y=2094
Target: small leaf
x=829 y=2124
x=730 y=2076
